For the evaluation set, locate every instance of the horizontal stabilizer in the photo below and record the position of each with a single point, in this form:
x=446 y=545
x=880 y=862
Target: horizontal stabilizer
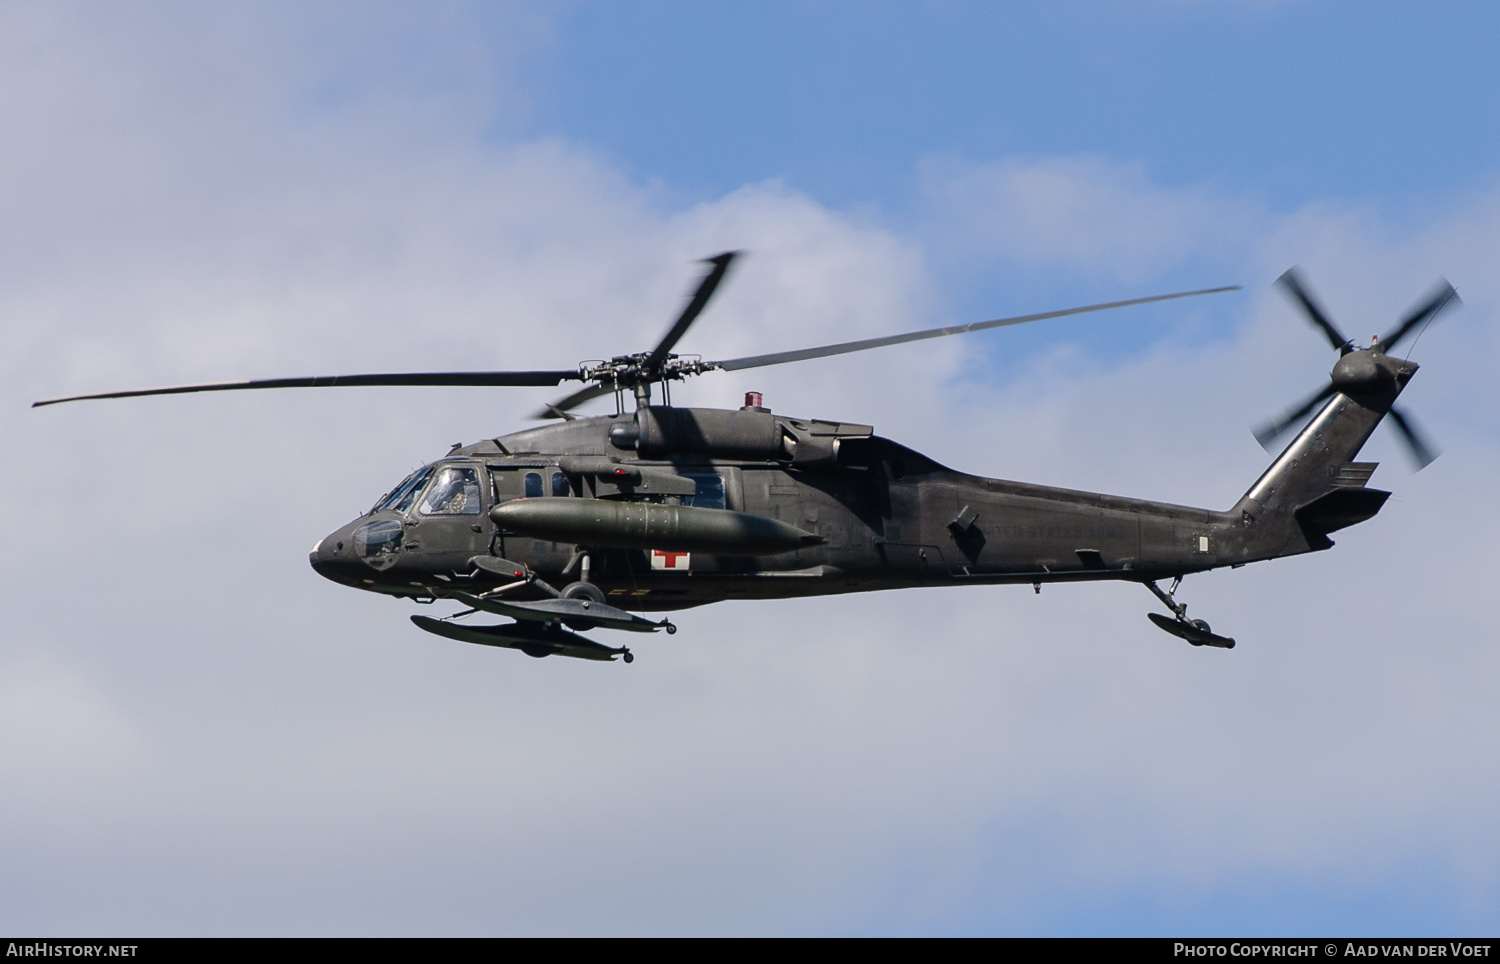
x=1339 y=509
x=528 y=638
x=577 y=613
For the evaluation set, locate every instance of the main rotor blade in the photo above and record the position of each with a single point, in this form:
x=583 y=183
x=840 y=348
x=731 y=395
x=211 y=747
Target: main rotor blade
x=782 y=357
x=561 y=407
x=1270 y=431
x=1291 y=280
x=1442 y=296
x=1422 y=450
x=705 y=291
x=506 y=379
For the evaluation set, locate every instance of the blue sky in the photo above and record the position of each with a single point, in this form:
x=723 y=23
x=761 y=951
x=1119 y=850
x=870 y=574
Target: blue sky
x=1288 y=101
x=205 y=737
x=1278 y=104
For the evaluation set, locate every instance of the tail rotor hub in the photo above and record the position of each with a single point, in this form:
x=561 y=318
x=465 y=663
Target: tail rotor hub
x=1362 y=372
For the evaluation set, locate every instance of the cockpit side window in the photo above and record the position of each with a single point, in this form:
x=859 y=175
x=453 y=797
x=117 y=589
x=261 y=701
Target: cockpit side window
x=559 y=484
x=533 y=485
x=455 y=491
x=404 y=494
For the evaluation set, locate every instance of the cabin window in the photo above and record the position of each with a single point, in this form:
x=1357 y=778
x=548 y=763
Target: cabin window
x=710 y=490
x=533 y=485
x=455 y=492
x=559 y=484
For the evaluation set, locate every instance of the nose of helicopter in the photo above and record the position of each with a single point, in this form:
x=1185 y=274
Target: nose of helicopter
x=333 y=557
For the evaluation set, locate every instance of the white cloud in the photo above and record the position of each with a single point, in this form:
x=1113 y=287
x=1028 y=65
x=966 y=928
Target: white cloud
x=1088 y=213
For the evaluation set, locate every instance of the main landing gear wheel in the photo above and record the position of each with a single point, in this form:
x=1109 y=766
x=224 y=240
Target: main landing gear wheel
x=629 y=656
x=584 y=590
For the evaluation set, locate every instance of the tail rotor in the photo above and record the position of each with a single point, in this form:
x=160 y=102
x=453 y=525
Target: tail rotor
x=1362 y=373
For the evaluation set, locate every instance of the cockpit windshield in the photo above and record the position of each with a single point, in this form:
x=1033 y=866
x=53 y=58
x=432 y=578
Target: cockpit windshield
x=406 y=493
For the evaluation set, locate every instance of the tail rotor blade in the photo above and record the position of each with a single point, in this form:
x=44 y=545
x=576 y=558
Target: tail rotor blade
x=694 y=308
x=1422 y=449
x=1292 y=281
x=1442 y=296
x=1271 y=431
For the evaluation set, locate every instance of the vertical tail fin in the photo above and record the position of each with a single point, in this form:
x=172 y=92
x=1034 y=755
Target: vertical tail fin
x=1315 y=487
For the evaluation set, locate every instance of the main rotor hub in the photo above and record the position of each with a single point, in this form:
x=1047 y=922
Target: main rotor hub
x=628 y=371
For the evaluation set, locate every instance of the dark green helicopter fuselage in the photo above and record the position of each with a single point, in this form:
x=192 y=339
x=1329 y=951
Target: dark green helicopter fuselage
x=872 y=514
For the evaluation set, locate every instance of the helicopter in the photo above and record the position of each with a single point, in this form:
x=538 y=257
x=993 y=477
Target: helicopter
x=592 y=523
